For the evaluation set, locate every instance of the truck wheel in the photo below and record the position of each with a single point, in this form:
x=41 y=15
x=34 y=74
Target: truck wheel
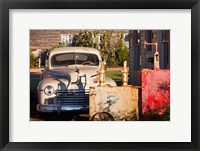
x=102 y=116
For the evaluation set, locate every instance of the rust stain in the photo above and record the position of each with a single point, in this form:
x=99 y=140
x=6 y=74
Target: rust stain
x=121 y=102
x=125 y=74
x=156 y=90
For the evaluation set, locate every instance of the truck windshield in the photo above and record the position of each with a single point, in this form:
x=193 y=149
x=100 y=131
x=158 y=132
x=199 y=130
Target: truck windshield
x=65 y=59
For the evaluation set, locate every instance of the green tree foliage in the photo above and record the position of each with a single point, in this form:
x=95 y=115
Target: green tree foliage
x=121 y=49
x=32 y=60
x=107 y=47
x=84 y=39
x=95 y=39
x=113 y=49
x=60 y=45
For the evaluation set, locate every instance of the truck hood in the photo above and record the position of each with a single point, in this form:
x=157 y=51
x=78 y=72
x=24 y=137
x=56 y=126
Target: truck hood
x=73 y=77
x=73 y=73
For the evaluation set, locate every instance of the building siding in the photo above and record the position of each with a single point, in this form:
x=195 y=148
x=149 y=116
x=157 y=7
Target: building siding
x=139 y=57
x=40 y=39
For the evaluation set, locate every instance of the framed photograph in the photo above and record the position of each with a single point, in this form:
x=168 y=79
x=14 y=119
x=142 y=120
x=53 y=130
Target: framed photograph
x=83 y=75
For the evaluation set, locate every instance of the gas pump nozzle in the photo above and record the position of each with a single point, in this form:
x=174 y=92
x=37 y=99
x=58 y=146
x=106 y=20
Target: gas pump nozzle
x=156 y=55
x=102 y=74
x=125 y=74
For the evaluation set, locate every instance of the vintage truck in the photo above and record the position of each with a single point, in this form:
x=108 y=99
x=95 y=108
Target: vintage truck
x=68 y=74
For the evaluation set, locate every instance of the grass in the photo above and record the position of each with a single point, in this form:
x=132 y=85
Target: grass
x=35 y=79
x=115 y=75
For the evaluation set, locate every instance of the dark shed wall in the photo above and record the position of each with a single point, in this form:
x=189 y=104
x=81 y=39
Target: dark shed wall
x=142 y=58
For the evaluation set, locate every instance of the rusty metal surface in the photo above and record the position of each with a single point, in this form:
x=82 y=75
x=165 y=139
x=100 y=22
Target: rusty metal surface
x=125 y=74
x=156 y=54
x=155 y=90
x=102 y=74
x=120 y=102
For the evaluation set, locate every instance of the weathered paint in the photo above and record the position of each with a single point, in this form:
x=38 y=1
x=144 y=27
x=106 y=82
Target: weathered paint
x=155 y=90
x=121 y=102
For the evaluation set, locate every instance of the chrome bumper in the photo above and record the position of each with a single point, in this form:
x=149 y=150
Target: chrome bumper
x=61 y=108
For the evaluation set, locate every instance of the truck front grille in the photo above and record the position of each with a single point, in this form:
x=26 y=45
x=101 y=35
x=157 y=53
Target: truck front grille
x=73 y=98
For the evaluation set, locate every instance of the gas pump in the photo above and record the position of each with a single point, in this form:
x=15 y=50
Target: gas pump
x=156 y=54
x=155 y=86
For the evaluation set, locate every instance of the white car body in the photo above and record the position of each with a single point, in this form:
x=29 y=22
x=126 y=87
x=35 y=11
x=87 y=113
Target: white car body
x=66 y=87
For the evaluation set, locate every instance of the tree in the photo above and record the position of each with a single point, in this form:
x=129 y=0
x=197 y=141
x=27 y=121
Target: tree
x=83 y=39
x=107 y=47
x=113 y=49
x=96 y=39
x=32 y=60
x=121 y=49
x=60 y=45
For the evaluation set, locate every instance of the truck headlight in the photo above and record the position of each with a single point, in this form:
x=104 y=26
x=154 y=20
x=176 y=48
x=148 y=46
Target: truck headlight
x=49 y=90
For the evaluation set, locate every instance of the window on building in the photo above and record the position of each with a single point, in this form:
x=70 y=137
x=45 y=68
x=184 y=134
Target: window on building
x=66 y=38
x=62 y=38
x=126 y=37
x=70 y=38
x=148 y=38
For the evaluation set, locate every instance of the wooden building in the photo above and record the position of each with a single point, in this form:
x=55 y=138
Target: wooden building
x=141 y=57
x=45 y=39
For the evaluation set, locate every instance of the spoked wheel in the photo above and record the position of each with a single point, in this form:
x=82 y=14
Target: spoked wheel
x=102 y=116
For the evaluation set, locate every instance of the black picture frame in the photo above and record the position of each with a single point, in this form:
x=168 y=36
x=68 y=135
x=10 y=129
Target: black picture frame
x=6 y=5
